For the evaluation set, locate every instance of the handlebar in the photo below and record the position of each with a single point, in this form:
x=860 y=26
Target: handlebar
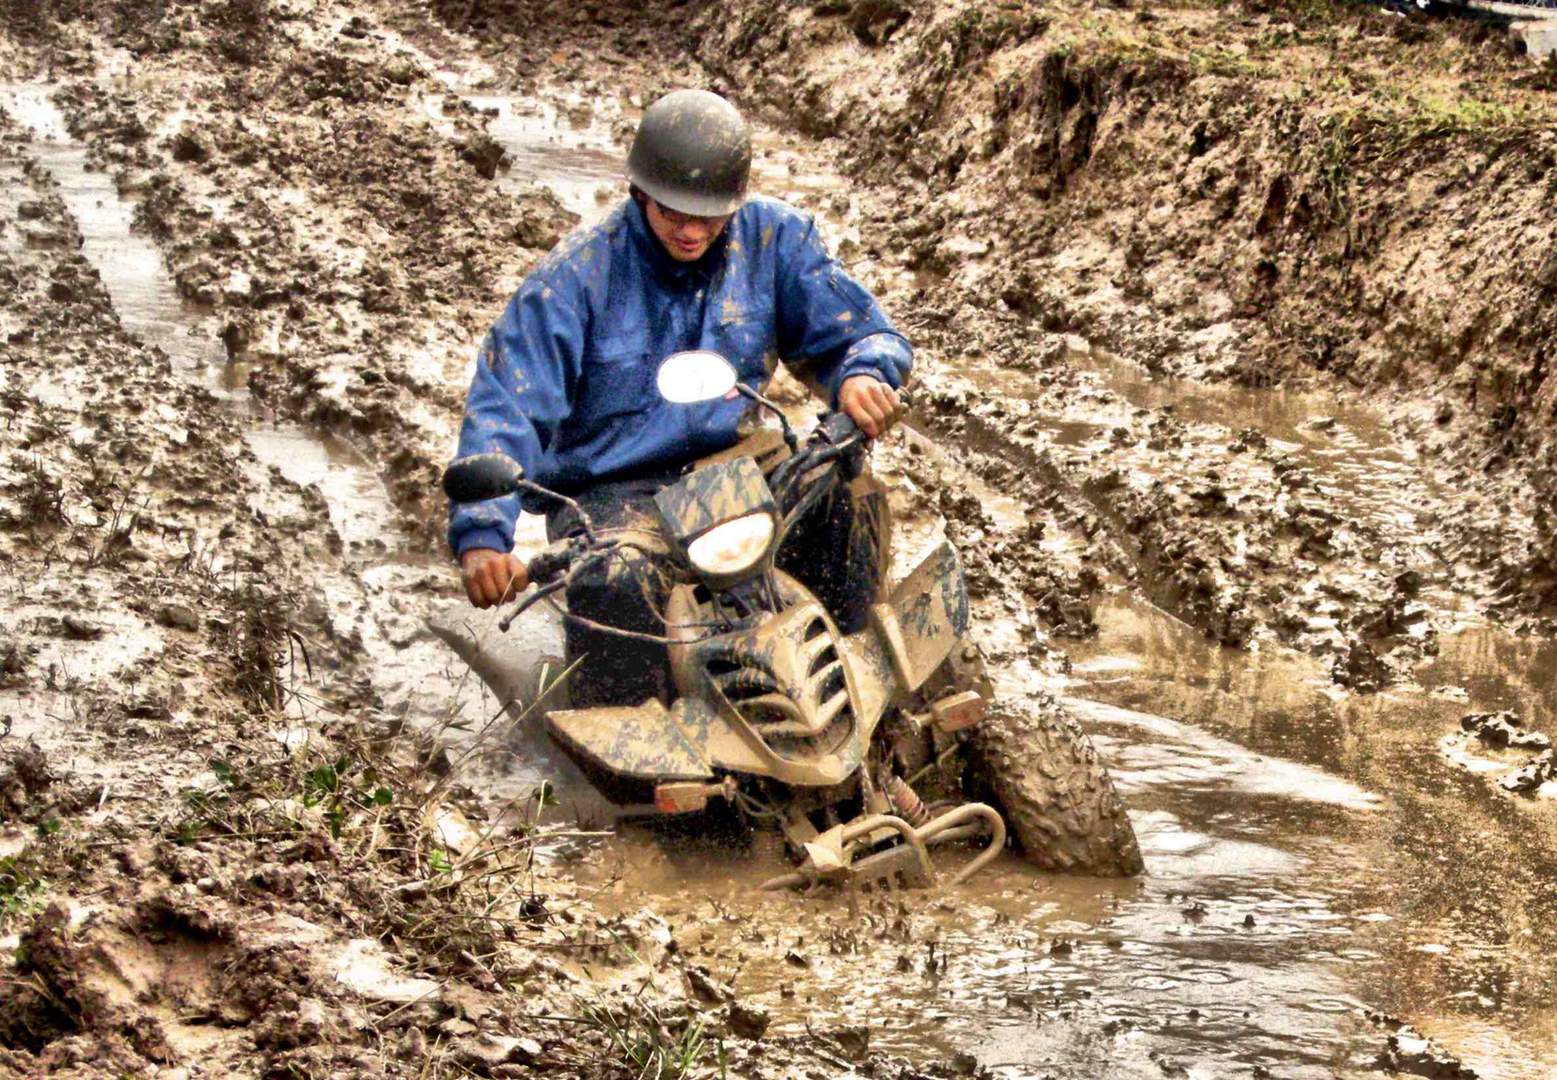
x=485 y=476
x=551 y=563
x=836 y=428
x=480 y=477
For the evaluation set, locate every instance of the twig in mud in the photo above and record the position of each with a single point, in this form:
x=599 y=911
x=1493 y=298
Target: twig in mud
x=529 y=839
x=554 y=1019
x=116 y=534
x=454 y=697
x=406 y=1005
x=36 y=984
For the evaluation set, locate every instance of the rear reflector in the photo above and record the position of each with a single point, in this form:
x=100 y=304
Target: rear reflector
x=688 y=798
x=958 y=711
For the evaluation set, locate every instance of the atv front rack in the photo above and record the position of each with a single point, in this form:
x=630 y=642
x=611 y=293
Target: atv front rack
x=832 y=855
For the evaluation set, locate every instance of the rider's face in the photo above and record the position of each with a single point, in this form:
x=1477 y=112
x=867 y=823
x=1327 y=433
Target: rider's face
x=685 y=236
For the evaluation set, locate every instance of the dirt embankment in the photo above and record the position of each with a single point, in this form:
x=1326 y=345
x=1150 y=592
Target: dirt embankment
x=1265 y=195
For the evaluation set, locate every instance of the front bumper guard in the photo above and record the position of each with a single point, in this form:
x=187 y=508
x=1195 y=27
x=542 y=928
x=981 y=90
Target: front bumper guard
x=832 y=856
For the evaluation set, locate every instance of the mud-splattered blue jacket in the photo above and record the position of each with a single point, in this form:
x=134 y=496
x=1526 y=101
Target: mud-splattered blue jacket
x=564 y=382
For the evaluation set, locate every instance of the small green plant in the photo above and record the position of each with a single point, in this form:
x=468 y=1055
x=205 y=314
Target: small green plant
x=342 y=788
x=652 y=1047
x=247 y=803
x=22 y=886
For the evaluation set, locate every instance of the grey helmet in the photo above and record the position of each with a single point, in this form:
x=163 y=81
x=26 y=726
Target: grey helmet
x=692 y=153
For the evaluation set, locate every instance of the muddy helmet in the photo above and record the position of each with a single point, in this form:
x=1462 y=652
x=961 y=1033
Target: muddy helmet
x=692 y=153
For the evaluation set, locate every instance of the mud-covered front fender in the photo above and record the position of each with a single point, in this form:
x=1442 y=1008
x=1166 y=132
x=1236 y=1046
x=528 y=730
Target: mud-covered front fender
x=924 y=618
x=645 y=742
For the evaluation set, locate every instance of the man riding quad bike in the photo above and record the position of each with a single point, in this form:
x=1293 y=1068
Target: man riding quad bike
x=726 y=600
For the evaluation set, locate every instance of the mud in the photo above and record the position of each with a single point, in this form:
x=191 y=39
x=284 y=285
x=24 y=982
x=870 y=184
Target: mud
x=259 y=818
x=1298 y=197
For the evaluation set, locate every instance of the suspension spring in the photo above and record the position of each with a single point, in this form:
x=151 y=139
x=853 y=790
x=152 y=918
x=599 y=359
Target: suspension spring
x=910 y=807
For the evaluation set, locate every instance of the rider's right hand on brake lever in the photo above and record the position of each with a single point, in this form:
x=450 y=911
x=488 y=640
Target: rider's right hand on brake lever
x=492 y=577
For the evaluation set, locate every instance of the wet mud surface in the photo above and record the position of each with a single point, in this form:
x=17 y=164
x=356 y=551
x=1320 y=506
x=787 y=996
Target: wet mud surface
x=259 y=817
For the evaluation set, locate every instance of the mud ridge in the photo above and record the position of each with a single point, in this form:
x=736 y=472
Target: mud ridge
x=1207 y=220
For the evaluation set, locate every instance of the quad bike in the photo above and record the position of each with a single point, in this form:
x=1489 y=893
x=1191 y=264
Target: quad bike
x=854 y=744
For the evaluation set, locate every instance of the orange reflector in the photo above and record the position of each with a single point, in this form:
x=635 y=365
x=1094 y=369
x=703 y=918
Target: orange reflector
x=958 y=711
x=687 y=798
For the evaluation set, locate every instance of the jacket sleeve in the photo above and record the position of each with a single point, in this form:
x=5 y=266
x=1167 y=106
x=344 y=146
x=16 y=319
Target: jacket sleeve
x=830 y=322
x=522 y=389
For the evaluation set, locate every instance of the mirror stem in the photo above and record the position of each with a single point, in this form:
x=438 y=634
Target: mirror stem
x=572 y=504
x=789 y=432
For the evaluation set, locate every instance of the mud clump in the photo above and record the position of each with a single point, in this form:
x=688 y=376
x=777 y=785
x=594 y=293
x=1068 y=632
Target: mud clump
x=1503 y=731
x=1361 y=669
x=1407 y=1052
x=1541 y=770
x=24 y=776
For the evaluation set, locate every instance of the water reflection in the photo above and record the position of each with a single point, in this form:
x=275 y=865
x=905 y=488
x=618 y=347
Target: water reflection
x=1450 y=881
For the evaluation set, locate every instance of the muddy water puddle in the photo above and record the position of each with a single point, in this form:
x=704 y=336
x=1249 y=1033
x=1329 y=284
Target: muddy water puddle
x=1310 y=857
x=1242 y=947
x=1232 y=953
x=1438 y=885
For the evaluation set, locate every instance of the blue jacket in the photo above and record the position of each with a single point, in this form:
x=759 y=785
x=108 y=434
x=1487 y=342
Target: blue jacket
x=565 y=384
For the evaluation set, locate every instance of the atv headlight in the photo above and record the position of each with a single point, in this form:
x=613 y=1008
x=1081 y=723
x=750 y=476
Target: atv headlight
x=731 y=549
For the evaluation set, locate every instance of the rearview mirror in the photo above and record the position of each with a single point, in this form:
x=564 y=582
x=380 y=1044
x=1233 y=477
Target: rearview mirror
x=685 y=378
x=481 y=477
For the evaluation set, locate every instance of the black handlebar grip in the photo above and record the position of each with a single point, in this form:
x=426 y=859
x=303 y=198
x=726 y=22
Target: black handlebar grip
x=549 y=565
x=480 y=477
x=838 y=426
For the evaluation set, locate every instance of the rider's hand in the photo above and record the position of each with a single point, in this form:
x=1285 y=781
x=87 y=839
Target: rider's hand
x=870 y=403
x=492 y=577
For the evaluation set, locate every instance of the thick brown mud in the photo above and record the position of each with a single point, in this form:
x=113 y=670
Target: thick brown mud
x=260 y=297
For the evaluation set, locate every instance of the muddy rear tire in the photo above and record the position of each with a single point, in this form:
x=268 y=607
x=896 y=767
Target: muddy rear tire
x=1059 y=801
